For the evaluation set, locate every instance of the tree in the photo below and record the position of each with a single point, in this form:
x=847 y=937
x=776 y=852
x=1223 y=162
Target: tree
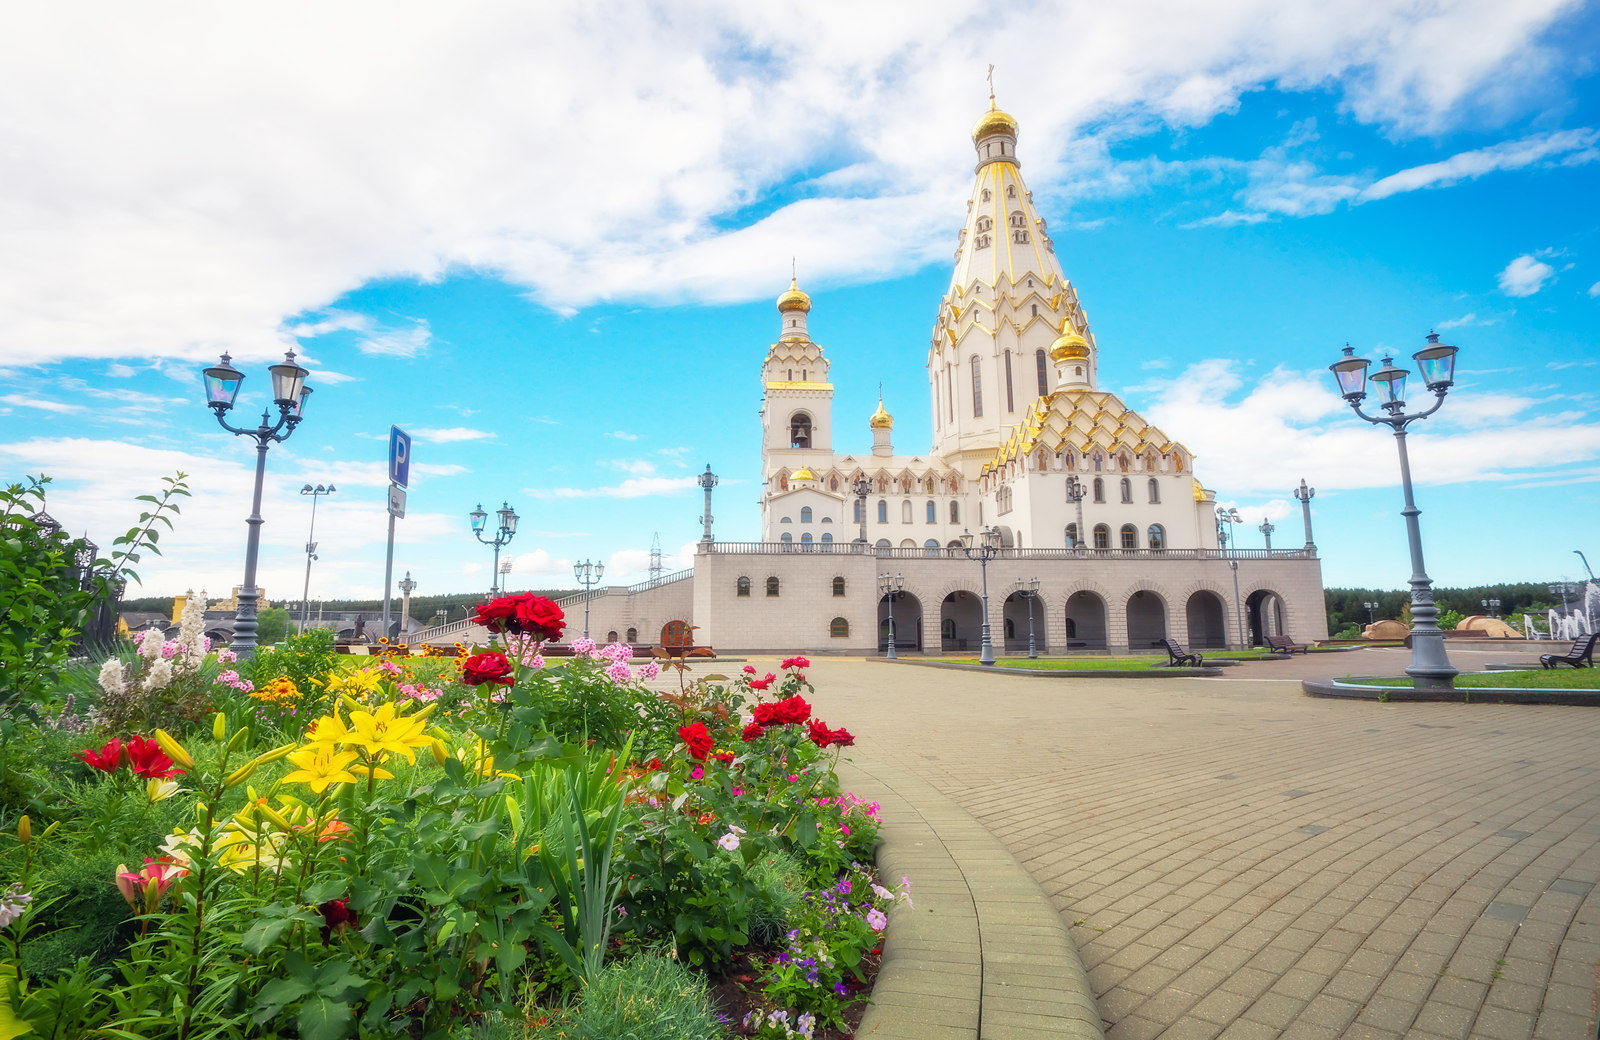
x=272 y=625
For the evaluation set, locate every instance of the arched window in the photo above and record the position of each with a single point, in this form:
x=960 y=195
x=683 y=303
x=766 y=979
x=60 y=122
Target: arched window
x=787 y=539
x=905 y=511
x=800 y=431
x=611 y=636
x=977 y=389
x=1157 y=536
x=1099 y=488
x=1130 y=536
x=955 y=512
x=785 y=520
x=633 y=636
x=827 y=538
x=883 y=511
x=1155 y=491
x=1102 y=536
x=930 y=547
x=933 y=512
x=883 y=547
x=743 y=587
x=860 y=510
x=838 y=628
x=838 y=586
x=805 y=538
x=1039 y=369
x=772 y=586
x=1127 y=493
x=805 y=513
x=1072 y=536
x=1010 y=407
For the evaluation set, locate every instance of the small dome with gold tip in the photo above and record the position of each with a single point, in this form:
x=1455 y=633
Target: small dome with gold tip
x=881 y=420
x=803 y=474
x=994 y=121
x=1070 y=347
x=793 y=299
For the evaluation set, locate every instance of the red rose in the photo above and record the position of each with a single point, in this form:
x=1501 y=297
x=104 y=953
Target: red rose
x=750 y=669
x=819 y=733
x=336 y=916
x=107 y=759
x=149 y=761
x=793 y=709
x=539 y=616
x=761 y=684
x=725 y=757
x=698 y=739
x=496 y=615
x=796 y=662
x=842 y=738
x=491 y=668
x=752 y=731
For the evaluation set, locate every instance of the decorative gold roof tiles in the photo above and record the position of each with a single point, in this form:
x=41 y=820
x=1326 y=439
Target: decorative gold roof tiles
x=1081 y=420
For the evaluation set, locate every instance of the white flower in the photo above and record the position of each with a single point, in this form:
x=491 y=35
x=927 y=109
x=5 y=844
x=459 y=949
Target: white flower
x=807 y=1024
x=12 y=903
x=729 y=841
x=881 y=892
x=112 y=678
x=160 y=673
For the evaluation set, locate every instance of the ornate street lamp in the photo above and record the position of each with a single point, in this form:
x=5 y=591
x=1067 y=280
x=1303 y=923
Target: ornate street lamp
x=1492 y=606
x=1075 y=492
x=891 y=585
x=707 y=481
x=289 y=393
x=311 y=548
x=983 y=552
x=1371 y=606
x=1226 y=518
x=1585 y=560
x=1266 y=530
x=506 y=530
x=1430 y=665
x=1305 y=495
x=861 y=488
x=505 y=574
x=1029 y=587
x=588 y=575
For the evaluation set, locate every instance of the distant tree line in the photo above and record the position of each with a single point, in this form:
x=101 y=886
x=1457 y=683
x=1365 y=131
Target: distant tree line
x=1345 y=609
x=456 y=605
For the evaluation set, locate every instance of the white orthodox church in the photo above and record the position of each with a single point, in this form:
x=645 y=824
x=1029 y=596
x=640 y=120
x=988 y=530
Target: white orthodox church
x=1106 y=538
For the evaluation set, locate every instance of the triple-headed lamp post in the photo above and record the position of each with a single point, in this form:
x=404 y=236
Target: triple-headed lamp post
x=1225 y=519
x=311 y=547
x=588 y=574
x=289 y=393
x=1430 y=667
x=987 y=547
x=502 y=536
x=891 y=585
x=1029 y=587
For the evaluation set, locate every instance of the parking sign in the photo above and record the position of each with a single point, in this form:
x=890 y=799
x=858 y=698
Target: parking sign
x=399 y=456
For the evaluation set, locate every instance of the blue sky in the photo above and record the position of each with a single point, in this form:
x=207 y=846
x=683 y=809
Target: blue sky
x=547 y=243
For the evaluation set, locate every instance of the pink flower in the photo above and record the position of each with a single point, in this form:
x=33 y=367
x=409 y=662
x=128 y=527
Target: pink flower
x=793 y=777
x=750 y=669
x=876 y=920
x=583 y=647
x=534 y=661
x=171 y=648
x=617 y=652
x=226 y=656
x=649 y=670
x=696 y=773
x=737 y=791
x=620 y=672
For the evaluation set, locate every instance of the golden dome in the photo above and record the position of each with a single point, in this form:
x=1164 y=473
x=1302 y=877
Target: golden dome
x=1070 y=347
x=994 y=121
x=802 y=473
x=794 y=299
x=881 y=420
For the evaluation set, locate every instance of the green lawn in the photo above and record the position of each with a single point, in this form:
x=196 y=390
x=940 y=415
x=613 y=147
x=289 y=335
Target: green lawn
x=1532 y=679
x=1083 y=664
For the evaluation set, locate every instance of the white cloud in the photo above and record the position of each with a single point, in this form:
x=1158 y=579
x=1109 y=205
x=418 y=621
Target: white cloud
x=1470 y=318
x=633 y=487
x=638 y=467
x=1574 y=145
x=1525 y=276
x=623 y=435
x=1594 y=291
x=452 y=434
x=314 y=183
x=24 y=401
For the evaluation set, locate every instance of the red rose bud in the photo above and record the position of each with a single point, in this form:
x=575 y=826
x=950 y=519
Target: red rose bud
x=698 y=739
x=490 y=668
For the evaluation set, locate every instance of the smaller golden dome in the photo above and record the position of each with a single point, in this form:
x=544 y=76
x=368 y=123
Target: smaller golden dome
x=994 y=121
x=803 y=474
x=1070 y=347
x=881 y=420
x=793 y=299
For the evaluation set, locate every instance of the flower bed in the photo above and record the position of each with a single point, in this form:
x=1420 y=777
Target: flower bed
x=483 y=844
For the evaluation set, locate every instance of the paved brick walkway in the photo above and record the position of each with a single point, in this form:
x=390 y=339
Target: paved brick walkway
x=1235 y=859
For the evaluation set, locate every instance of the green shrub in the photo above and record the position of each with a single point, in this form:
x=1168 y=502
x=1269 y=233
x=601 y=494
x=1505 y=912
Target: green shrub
x=780 y=880
x=646 y=997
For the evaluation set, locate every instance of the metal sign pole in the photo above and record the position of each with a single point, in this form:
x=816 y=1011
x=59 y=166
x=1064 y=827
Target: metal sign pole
x=388 y=570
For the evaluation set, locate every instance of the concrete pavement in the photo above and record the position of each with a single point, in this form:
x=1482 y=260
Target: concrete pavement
x=1234 y=859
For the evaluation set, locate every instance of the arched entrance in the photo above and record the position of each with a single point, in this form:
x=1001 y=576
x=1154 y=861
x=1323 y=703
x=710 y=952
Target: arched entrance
x=907 y=622
x=1264 y=613
x=961 y=621
x=1208 y=620
x=1085 y=621
x=1015 y=614
x=1147 y=621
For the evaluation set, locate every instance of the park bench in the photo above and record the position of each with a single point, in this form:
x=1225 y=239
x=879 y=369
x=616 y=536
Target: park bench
x=1286 y=645
x=1177 y=655
x=1582 y=652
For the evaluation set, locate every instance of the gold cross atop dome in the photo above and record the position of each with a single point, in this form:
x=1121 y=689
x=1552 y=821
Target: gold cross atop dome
x=994 y=121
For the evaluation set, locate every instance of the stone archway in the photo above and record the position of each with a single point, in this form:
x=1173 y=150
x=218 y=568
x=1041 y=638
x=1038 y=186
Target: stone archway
x=1084 y=621
x=1014 y=615
x=961 y=622
x=907 y=622
x=1266 y=615
x=1147 y=621
x=1208 y=620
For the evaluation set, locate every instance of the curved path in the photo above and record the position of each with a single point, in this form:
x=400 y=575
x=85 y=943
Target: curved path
x=1235 y=859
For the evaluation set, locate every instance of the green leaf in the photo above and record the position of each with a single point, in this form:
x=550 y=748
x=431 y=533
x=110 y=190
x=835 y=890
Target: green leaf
x=324 y=1019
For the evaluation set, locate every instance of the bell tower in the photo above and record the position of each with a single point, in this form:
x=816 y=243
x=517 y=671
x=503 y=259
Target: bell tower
x=797 y=398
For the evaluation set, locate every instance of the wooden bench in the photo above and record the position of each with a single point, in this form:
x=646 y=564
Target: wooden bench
x=1582 y=652
x=1177 y=655
x=1286 y=645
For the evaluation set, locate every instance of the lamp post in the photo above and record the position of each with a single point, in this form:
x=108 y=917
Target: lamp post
x=407 y=586
x=588 y=574
x=1562 y=591
x=1430 y=665
x=311 y=548
x=1226 y=518
x=1305 y=495
x=1075 y=492
x=1371 y=606
x=1492 y=606
x=1266 y=530
x=289 y=393
x=861 y=488
x=505 y=574
x=1029 y=587
x=1585 y=560
x=503 y=534
x=983 y=552
x=707 y=481
x=891 y=585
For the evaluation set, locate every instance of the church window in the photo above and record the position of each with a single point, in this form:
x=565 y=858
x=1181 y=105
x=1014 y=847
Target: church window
x=1009 y=406
x=1036 y=310
x=861 y=511
x=984 y=223
x=1127 y=490
x=933 y=512
x=838 y=628
x=1099 y=489
x=827 y=537
x=1130 y=536
x=785 y=520
x=788 y=541
x=1011 y=191
x=827 y=519
x=949 y=393
x=1017 y=219
x=611 y=636
x=883 y=547
x=805 y=539
x=838 y=586
x=987 y=195
x=1102 y=536
x=983 y=242
x=1019 y=237
x=905 y=511
x=633 y=635
x=1038 y=365
x=793 y=322
x=1072 y=536
x=772 y=586
x=800 y=431
x=883 y=511
x=930 y=547
x=805 y=514
x=742 y=587
x=977 y=389
x=1158 y=537
x=1155 y=491
x=955 y=512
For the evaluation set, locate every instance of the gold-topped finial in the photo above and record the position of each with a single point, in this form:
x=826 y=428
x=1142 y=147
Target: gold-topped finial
x=1070 y=346
x=994 y=121
x=803 y=474
x=881 y=420
x=793 y=299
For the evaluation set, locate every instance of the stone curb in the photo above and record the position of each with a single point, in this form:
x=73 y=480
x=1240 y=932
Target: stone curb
x=982 y=954
x=1354 y=690
x=1207 y=671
